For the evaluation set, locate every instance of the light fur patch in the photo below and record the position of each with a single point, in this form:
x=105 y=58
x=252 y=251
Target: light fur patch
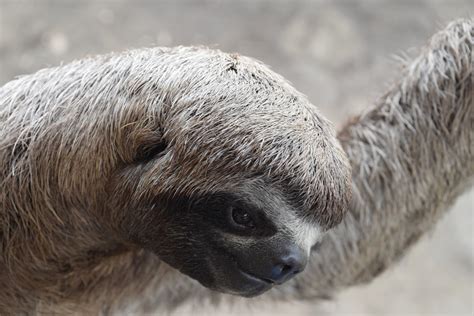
x=306 y=234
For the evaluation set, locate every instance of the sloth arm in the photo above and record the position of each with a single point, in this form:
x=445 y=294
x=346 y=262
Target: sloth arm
x=411 y=155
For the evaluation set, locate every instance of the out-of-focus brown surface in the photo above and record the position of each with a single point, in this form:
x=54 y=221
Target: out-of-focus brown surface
x=339 y=53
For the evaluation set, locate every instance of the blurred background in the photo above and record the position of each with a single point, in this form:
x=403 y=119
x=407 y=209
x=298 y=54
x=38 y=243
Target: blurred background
x=342 y=54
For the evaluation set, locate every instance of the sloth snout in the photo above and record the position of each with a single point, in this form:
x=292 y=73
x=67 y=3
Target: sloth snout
x=292 y=262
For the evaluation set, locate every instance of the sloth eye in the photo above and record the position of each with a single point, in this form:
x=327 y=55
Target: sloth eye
x=243 y=218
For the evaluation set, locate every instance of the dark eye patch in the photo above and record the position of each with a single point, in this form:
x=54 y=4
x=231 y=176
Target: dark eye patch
x=216 y=209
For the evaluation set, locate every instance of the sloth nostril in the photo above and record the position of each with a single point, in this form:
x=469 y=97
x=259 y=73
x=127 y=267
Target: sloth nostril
x=281 y=272
x=286 y=269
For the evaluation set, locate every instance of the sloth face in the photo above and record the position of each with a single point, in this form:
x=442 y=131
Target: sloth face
x=242 y=242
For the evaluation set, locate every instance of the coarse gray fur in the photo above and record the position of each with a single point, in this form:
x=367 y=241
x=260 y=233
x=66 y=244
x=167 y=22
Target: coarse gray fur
x=70 y=133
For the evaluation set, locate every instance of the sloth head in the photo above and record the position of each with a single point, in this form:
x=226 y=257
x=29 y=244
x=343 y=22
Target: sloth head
x=243 y=178
x=209 y=160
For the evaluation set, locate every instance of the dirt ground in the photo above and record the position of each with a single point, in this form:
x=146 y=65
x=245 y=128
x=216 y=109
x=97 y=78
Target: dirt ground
x=339 y=53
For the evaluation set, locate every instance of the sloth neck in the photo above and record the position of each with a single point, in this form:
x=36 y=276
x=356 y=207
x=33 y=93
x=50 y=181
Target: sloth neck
x=83 y=269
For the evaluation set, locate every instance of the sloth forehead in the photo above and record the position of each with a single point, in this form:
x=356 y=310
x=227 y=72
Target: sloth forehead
x=226 y=117
x=283 y=146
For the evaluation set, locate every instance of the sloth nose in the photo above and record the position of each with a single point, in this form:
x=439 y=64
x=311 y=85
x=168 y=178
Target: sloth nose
x=288 y=265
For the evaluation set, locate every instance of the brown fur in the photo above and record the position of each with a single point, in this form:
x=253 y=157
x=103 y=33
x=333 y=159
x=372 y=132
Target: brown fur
x=68 y=157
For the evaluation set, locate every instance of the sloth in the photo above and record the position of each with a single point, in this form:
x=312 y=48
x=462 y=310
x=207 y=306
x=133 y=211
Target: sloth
x=153 y=177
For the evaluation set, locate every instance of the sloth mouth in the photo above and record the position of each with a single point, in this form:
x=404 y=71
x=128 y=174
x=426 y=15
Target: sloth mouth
x=264 y=284
x=256 y=278
x=257 y=285
x=244 y=283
